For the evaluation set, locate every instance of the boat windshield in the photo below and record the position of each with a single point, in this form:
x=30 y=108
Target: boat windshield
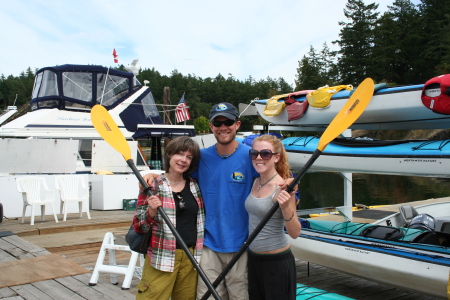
x=77 y=85
x=115 y=87
x=80 y=87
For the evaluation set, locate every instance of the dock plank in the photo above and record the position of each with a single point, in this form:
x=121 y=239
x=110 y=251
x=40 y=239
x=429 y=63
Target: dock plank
x=22 y=244
x=80 y=288
x=391 y=294
x=5 y=256
x=6 y=292
x=30 y=292
x=105 y=288
x=55 y=290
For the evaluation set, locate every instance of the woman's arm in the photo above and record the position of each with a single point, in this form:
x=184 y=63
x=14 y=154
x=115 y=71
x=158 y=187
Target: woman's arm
x=289 y=211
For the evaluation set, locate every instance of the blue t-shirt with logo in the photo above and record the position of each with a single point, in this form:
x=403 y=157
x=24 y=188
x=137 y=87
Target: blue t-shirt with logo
x=225 y=184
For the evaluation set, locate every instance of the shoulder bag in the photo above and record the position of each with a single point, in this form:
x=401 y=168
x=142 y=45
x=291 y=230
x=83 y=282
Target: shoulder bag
x=139 y=242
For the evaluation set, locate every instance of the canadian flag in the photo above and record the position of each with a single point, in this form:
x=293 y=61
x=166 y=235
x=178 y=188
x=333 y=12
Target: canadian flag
x=116 y=59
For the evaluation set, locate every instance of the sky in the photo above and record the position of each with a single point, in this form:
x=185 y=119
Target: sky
x=239 y=38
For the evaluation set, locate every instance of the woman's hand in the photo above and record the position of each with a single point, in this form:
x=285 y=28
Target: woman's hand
x=285 y=184
x=283 y=199
x=149 y=178
x=153 y=203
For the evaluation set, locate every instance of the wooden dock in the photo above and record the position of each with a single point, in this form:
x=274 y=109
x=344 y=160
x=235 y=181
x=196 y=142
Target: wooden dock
x=79 y=241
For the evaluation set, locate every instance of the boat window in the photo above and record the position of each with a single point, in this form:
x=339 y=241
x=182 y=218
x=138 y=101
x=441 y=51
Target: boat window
x=149 y=105
x=68 y=105
x=77 y=85
x=45 y=84
x=115 y=88
x=48 y=103
x=37 y=85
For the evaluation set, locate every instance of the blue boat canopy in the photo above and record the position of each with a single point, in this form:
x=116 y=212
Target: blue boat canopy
x=80 y=87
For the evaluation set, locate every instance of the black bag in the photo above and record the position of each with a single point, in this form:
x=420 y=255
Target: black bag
x=138 y=242
x=383 y=232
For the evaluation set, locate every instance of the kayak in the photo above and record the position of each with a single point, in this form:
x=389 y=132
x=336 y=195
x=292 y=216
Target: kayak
x=361 y=155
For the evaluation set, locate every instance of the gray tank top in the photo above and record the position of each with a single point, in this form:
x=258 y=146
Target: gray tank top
x=272 y=236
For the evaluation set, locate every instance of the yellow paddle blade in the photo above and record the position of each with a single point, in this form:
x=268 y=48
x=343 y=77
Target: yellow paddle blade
x=349 y=113
x=108 y=130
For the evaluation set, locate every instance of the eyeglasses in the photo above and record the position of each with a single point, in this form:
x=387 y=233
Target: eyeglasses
x=181 y=202
x=226 y=123
x=266 y=154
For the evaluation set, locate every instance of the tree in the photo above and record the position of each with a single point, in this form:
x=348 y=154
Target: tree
x=435 y=22
x=356 y=41
x=316 y=69
x=201 y=125
x=398 y=43
x=308 y=72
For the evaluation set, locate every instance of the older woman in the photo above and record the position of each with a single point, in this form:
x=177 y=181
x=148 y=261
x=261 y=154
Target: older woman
x=168 y=272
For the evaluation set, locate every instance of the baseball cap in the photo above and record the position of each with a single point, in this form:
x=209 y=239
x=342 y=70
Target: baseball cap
x=223 y=109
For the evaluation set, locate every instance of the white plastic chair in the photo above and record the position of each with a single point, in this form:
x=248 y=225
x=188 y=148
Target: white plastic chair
x=35 y=193
x=72 y=188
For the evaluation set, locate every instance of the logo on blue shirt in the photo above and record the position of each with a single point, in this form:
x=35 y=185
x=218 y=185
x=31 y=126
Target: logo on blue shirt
x=238 y=176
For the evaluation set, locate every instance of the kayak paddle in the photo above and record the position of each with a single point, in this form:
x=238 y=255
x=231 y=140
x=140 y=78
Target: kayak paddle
x=348 y=114
x=108 y=130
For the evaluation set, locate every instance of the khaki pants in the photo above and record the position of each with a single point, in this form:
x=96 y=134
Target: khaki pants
x=181 y=284
x=234 y=285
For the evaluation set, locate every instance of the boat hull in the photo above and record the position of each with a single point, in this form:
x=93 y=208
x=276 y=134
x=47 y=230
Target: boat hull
x=373 y=262
x=390 y=109
x=429 y=159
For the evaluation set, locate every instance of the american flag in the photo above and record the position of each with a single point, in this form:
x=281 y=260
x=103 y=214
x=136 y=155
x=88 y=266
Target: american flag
x=116 y=57
x=182 y=111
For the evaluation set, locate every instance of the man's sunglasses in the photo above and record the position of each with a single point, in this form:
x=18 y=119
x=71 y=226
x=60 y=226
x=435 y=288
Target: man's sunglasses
x=226 y=123
x=266 y=154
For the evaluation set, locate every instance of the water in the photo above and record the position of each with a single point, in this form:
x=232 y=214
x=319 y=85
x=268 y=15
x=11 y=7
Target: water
x=327 y=189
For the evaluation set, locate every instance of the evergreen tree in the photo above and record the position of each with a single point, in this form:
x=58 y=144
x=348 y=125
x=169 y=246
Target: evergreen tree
x=356 y=41
x=398 y=43
x=316 y=70
x=436 y=22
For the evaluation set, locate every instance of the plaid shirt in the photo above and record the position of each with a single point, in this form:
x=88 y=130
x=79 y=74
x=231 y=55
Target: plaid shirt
x=161 y=251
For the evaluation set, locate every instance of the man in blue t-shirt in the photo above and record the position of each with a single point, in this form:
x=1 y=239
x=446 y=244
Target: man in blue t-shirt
x=225 y=176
